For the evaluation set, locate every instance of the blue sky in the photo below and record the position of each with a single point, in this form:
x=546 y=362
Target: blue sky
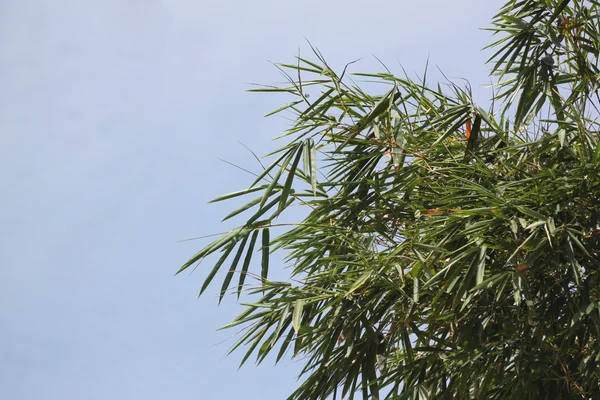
x=113 y=115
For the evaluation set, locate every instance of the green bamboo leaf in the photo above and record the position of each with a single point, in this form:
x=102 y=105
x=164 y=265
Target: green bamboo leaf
x=256 y=340
x=287 y=188
x=272 y=185
x=514 y=227
x=298 y=343
x=376 y=131
x=317 y=67
x=271 y=166
x=416 y=290
x=247 y=260
x=306 y=157
x=473 y=138
x=297 y=315
x=516 y=21
x=379 y=108
x=460 y=122
x=551 y=226
x=596 y=156
x=535 y=225
x=284 y=315
x=481 y=265
x=285 y=344
x=517 y=290
x=489 y=282
x=359 y=282
x=211 y=248
x=398 y=149
x=265 y=253
x=574 y=264
x=423 y=264
x=263 y=211
x=559 y=9
x=216 y=268
x=313 y=166
x=531 y=213
x=284 y=107
x=561 y=136
x=242 y=208
x=238 y=193
x=231 y=271
x=301 y=68
x=291 y=90
x=310 y=108
x=247 y=315
x=430 y=247
x=578 y=243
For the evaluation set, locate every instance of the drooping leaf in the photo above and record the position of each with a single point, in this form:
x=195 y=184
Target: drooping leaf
x=297 y=315
x=247 y=260
x=231 y=271
x=266 y=242
x=287 y=188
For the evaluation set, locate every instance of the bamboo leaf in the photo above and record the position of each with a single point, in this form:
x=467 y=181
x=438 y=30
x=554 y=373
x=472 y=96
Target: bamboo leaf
x=596 y=156
x=216 y=268
x=306 y=157
x=531 y=213
x=287 y=188
x=211 y=248
x=265 y=254
x=481 y=265
x=231 y=271
x=460 y=122
x=473 y=136
x=238 y=193
x=284 y=107
x=359 y=282
x=297 y=315
x=313 y=166
x=242 y=208
x=379 y=108
x=574 y=264
x=284 y=315
x=271 y=166
x=247 y=260
x=416 y=290
x=271 y=186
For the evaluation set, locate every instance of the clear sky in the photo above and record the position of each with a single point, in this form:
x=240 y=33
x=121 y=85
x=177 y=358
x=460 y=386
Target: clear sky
x=113 y=115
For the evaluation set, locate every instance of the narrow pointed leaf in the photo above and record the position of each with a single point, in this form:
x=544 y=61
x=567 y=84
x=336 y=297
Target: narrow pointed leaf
x=265 y=253
x=242 y=208
x=271 y=186
x=238 y=193
x=313 y=166
x=247 y=260
x=216 y=268
x=284 y=107
x=379 y=108
x=231 y=271
x=306 y=157
x=211 y=248
x=270 y=167
x=297 y=315
x=287 y=188
x=481 y=265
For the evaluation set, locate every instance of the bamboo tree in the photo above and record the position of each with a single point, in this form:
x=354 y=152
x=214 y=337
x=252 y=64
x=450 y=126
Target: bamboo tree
x=447 y=251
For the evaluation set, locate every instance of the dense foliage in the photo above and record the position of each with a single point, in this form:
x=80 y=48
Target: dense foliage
x=446 y=251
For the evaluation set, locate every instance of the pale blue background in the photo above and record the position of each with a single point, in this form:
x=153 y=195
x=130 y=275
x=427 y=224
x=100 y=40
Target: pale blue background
x=112 y=116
